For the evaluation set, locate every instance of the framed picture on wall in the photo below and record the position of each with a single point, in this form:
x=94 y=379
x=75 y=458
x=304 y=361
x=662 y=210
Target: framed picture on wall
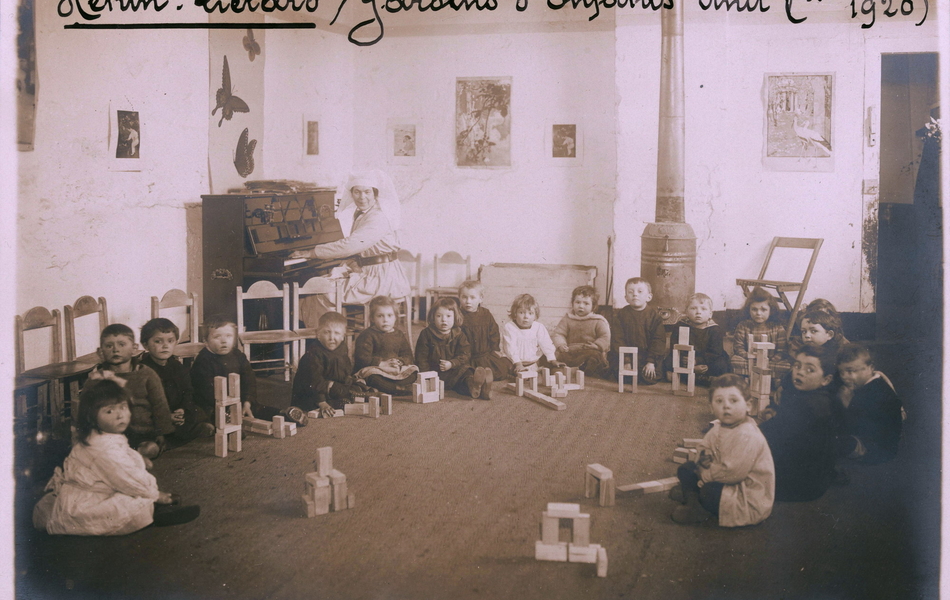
x=564 y=142
x=402 y=142
x=483 y=122
x=799 y=128
x=126 y=138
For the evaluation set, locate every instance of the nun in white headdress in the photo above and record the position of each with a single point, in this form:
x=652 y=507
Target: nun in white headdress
x=373 y=239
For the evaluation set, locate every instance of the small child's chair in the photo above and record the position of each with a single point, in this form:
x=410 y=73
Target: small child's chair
x=324 y=286
x=412 y=265
x=448 y=273
x=188 y=344
x=83 y=307
x=263 y=290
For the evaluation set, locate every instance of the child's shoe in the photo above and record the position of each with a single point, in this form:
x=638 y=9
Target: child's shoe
x=149 y=450
x=482 y=376
x=486 y=386
x=296 y=415
x=205 y=430
x=169 y=514
x=676 y=494
x=691 y=512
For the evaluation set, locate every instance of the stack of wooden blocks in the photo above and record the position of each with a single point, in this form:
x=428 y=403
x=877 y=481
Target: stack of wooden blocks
x=689 y=370
x=325 y=489
x=532 y=377
x=579 y=549
x=227 y=414
x=562 y=380
x=633 y=371
x=428 y=388
x=760 y=375
x=277 y=428
x=373 y=408
x=600 y=479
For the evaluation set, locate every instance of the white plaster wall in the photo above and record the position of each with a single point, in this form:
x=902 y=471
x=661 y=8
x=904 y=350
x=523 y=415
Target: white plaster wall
x=534 y=212
x=734 y=205
x=83 y=228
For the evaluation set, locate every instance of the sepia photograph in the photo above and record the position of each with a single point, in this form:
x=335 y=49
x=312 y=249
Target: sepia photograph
x=571 y=300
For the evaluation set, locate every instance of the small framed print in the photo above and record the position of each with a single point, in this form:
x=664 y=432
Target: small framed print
x=402 y=142
x=798 y=132
x=311 y=136
x=564 y=143
x=128 y=144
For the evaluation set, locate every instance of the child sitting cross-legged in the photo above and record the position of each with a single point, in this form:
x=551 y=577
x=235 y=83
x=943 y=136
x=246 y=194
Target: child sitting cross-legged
x=382 y=355
x=705 y=336
x=103 y=487
x=443 y=348
x=481 y=329
x=638 y=325
x=151 y=419
x=734 y=477
x=219 y=358
x=873 y=416
x=800 y=428
x=324 y=379
x=159 y=337
x=525 y=341
x=582 y=337
x=761 y=318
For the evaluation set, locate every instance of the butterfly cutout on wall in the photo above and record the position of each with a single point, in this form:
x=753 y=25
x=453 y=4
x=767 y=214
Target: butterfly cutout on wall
x=244 y=155
x=251 y=45
x=227 y=102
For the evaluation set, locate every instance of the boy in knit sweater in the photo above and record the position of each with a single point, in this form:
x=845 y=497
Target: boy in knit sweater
x=151 y=420
x=582 y=338
x=640 y=326
x=324 y=379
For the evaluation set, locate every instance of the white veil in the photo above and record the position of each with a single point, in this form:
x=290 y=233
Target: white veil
x=388 y=199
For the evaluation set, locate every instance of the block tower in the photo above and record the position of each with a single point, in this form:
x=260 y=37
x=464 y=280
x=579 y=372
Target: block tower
x=325 y=489
x=579 y=549
x=227 y=414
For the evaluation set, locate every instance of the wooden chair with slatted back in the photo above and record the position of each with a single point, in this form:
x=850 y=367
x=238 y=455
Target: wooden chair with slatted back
x=412 y=265
x=323 y=286
x=448 y=272
x=263 y=290
x=188 y=344
x=785 y=287
x=84 y=306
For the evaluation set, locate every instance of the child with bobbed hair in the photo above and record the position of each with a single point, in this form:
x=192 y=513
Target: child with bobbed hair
x=382 y=355
x=582 y=337
x=706 y=338
x=443 y=348
x=104 y=487
x=761 y=314
x=482 y=331
x=734 y=477
x=525 y=341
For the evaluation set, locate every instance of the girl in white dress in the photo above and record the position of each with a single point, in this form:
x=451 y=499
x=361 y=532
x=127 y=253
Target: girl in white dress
x=525 y=341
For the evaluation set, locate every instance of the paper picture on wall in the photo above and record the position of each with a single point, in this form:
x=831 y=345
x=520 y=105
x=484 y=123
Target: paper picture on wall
x=26 y=75
x=244 y=154
x=404 y=140
x=564 y=141
x=483 y=122
x=799 y=116
x=250 y=44
x=225 y=100
x=130 y=134
x=313 y=138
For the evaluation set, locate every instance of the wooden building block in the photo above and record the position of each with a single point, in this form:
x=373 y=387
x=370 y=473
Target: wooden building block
x=564 y=510
x=317 y=501
x=559 y=391
x=356 y=409
x=315 y=480
x=545 y=377
x=680 y=455
x=571 y=387
x=290 y=429
x=313 y=414
x=279 y=432
x=359 y=399
x=691 y=442
x=227 y=439
x=220 y=444
x=428 y=388
x=601 y=562
x=337 y=477
x=339 y=413
x=372 y=410
x=259 y=426
x=386 y=404
x=557 y=552
x=608 y=492
x=441 y=389
x=582 y=554
x=579 y=381
x=580 y=534
x=525 y=377
x=325 y=461
x=550 y=529
x=545 y=400
x=338 y=496
x=650 y=487
x=559 y=378
x=595 y=478
x=623 y=371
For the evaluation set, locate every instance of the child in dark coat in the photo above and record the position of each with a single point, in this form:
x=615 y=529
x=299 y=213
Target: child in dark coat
x=443 y=348
x=705 y=336
x=324 y=377
x=873 y=416
x=800 y=429
x=639 y=325
x=382 y=354
x=481 y=329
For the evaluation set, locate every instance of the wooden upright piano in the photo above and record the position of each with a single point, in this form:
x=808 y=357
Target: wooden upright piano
x=249 y=237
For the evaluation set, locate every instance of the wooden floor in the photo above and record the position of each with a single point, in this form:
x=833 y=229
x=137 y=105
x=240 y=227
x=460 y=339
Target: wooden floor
x=448 y=504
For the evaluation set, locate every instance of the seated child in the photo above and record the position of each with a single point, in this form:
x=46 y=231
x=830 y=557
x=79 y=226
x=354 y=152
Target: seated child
x=382 y=355
x=480 y=328
x=324 y=377
x=219 y=358
x=151 y=419
x=159 y=337
x=800 y=429
x=872 y=411
x=443 y=348
x=103 y=487
x=640 y=326
x=525 y=341
x=819 y=324
x=761 y=318
x=582 y=337
x=705 y=336
x=734 y=477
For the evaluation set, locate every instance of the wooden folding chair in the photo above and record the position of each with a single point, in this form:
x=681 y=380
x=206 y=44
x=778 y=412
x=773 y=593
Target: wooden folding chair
x=263 y=290
x=188 y=344
x=452 y=276
x=324 y=286
x=785 y=287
